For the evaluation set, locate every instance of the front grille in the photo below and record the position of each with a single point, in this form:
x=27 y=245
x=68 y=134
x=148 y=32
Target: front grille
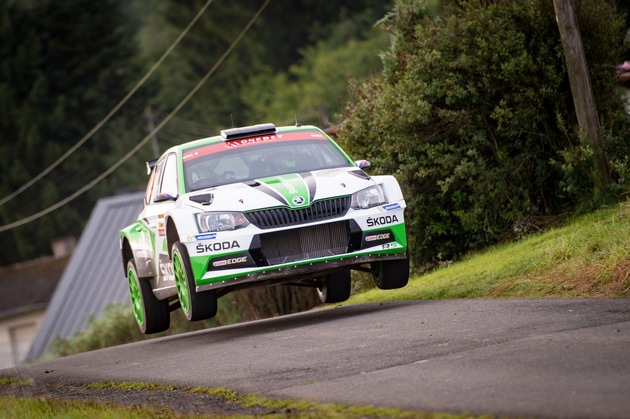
x=305 y=243
x=318 y=211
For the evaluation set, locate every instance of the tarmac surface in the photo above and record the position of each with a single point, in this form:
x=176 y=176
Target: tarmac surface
x=561 y=358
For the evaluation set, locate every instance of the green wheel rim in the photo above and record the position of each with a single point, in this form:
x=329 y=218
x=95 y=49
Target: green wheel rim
x=136 y=298
x=180 y=282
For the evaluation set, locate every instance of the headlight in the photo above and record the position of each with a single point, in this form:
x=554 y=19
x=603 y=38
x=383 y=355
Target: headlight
x=368 y=198
x=220 y=221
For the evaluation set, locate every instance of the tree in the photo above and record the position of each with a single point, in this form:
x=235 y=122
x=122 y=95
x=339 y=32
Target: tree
x=474 y=115
x=314 y=89
x=64 y=66
x=275 y=42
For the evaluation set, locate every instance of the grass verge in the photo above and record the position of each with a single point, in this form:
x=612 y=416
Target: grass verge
x=588 y=257
x=44 y=408
x=41 y=407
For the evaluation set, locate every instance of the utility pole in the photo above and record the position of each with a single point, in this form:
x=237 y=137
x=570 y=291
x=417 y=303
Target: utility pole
x=581 y=90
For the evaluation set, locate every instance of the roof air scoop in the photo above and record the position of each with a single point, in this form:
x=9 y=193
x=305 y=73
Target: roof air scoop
x=250 y=131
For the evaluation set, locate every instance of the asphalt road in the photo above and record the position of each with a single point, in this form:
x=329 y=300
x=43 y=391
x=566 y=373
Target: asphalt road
x=530 y=357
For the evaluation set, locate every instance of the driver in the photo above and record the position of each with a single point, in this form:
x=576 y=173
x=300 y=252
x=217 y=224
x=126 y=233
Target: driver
x=284 y=160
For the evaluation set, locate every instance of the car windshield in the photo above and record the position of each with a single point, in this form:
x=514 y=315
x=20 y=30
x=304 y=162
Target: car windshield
x=221 y=164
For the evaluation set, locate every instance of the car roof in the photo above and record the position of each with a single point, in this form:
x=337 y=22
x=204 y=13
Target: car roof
x=219 y=139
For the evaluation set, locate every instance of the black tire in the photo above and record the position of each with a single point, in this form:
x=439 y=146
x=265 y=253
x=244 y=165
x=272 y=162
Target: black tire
x=195 y=305
x=391 y=274
x=335 y=288
x=152 y=315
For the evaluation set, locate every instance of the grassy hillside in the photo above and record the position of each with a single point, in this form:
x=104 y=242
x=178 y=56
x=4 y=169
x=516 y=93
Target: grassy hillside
x=588 y=257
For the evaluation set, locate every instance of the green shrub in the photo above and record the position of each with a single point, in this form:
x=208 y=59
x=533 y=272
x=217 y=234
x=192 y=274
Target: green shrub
x=473 y=114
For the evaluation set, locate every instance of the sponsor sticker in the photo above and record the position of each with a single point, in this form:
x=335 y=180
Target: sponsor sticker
x=217 y=246
x=290 y=188
x=165 y=267
x=378 y=238
x=143 y=254
x=375 y=237
x=381 y=221
x=209 y=236
x=232 y=261
x=253 y=140
x=391 y=207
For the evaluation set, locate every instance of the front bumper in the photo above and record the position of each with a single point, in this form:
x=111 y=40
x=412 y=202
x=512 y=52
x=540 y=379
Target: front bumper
x=298 y=253
x=297 y=272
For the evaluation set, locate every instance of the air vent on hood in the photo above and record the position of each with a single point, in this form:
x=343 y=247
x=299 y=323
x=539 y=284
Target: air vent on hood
x=203 y=199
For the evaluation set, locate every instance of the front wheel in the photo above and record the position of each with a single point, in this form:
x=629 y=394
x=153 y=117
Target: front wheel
x=391 y=274
x=195 y=305
x=152 y=315
x=335 y=288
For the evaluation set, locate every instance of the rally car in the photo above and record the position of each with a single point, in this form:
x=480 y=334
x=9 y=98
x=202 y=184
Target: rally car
x=256 y=206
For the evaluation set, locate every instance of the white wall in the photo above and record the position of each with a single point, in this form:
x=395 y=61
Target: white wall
x=16 y=335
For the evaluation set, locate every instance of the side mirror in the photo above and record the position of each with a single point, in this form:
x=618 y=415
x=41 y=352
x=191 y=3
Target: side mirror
x=362 y=164
x=164 y=196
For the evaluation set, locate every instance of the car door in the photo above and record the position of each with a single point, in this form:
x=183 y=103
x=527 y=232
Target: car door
x=160 y=199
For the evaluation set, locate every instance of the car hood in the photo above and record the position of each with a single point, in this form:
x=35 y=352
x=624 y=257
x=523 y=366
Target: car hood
x=295 y=190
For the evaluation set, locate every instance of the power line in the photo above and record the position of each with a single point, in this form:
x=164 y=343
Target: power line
x=146 y=138
x=111 y=113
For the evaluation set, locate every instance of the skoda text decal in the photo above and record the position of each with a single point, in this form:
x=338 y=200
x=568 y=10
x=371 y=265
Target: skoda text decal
x=217 y=246
x=381 y=221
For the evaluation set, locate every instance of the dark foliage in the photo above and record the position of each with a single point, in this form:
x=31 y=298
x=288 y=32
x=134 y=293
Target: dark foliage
x=272 y=45
x=64 y=65
x=474 y=115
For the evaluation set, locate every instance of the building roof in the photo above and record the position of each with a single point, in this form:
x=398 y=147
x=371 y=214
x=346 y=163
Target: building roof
x=29 y=286
x=95 y=277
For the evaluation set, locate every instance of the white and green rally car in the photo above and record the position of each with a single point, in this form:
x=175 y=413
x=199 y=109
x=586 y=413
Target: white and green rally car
x=256 y=206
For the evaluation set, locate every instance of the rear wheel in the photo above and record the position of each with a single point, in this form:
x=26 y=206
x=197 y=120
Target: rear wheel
x=336 y=287
x=152 y=315
x=195 y=305
x=391 y=274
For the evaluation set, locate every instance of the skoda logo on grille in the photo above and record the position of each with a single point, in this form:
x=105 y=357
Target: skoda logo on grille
x=298 y=200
